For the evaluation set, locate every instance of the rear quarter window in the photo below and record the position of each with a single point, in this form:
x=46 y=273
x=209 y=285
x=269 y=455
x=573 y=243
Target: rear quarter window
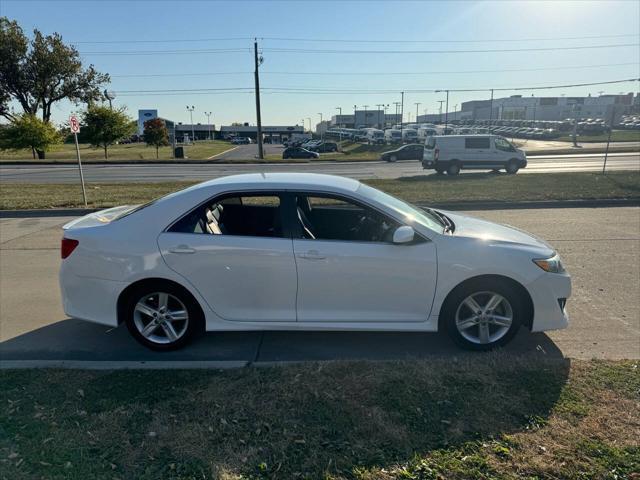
x=482 y=142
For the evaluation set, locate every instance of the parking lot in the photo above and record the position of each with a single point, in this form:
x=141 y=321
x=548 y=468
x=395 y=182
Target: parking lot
x=600 y=248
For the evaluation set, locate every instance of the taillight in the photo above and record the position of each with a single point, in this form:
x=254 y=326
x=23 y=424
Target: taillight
x=436 y=154
x=67 y=247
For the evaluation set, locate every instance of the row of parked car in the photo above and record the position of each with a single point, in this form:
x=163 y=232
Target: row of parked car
x=629 y=122
x=308 y=149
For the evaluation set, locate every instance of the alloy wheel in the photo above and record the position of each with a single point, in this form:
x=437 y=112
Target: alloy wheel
x=161 y=318
x=484 y=317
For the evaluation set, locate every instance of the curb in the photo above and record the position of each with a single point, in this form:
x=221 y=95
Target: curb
x=122 y=364
x=602 y=203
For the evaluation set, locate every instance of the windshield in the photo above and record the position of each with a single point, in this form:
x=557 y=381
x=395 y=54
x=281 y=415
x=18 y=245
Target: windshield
x=410 y=213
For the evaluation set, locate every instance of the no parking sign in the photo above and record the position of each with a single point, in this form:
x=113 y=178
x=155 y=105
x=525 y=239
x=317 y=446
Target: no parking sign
x=74 y=124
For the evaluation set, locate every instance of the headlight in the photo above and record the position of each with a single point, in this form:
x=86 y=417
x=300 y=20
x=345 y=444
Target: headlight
x=551 y=264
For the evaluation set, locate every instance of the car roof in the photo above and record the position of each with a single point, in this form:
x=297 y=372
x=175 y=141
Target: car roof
x=282 y=180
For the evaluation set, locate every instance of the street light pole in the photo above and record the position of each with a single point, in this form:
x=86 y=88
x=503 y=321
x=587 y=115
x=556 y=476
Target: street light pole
x=208 y=115
x=321 y=129
x=440 y=110
x=257 y=61
x=417 y=104
x=446 y=114
x=190 y=110
x=340 y=121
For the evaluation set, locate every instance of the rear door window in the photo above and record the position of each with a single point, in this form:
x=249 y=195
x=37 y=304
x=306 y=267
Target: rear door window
x=252 y=215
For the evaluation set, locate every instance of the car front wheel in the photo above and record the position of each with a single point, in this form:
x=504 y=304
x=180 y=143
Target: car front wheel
x=512 y=167
x=484 y=314
x=162 y=317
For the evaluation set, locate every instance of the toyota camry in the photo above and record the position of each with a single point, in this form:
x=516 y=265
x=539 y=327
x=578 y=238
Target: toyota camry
x=291 y=251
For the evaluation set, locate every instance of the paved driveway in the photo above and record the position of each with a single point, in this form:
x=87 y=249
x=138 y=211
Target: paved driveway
x=601 y=248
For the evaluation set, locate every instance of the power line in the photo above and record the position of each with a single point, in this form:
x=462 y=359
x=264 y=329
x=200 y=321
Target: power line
x=303 y=50
x=342 y=73
x=538 y=39
x=320 y=90
x=495 y=50
x=349 y=40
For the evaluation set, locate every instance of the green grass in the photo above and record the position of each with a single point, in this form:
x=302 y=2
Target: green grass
x=423 y=188
x=200 y=150
x=468 y=417
x=616 y=136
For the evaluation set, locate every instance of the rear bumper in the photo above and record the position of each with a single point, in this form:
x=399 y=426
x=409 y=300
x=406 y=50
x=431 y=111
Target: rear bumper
x=547 y=294
x=90 y=299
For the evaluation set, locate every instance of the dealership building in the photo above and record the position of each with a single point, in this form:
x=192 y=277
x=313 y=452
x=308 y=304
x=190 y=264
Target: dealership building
x=365 y=119
x=517 y=107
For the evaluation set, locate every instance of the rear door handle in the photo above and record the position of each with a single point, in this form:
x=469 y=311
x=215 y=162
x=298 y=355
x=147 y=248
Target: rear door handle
x=182 y=249
x=312 y=255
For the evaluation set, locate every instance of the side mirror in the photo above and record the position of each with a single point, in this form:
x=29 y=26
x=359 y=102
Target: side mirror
x=403 y=234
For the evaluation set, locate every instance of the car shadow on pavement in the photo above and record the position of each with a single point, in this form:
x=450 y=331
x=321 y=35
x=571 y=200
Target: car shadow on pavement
x=76 y=340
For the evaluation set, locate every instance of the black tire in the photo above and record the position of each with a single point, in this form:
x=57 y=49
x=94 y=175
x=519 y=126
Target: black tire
x=481 y=287
x=194 y=324
x=393 y=158
x=512 y=166
x=453 y=169
x=439 y=171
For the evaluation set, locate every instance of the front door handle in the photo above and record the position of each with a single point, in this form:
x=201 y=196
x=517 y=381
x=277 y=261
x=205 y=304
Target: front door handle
x=312 y=255
x=182 y=249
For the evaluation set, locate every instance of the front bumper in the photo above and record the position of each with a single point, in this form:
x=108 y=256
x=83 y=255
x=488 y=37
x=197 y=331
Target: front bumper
x=549 y=294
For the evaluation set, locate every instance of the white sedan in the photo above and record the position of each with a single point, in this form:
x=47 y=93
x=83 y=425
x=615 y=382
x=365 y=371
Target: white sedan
x=306 y=252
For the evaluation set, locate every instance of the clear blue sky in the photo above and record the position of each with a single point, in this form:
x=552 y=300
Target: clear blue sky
x=171 y=21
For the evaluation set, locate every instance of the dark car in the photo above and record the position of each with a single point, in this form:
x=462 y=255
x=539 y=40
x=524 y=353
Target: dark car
x=298 y=152
x=325 y=147
x=412 y=151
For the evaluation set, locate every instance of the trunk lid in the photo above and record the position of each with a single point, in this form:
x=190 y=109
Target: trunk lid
x=102 y=217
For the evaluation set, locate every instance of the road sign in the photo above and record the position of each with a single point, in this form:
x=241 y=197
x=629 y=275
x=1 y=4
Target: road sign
x=74 y=124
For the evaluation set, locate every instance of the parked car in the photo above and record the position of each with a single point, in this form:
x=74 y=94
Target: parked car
x=240 y=140
x=298 y=152
x=291 y=251
x=485 y=152
x=412 y=151
x=325 y=147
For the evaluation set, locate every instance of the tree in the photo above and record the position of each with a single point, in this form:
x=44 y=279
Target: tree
x=40 y=72
x=28 y=131
x=156 y=134
x=104 y=126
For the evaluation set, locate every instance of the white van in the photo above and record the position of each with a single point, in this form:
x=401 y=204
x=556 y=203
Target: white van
x=392 y=135
x=452 y=153
x=424 y=132
x=375 y=136
x=409 y=135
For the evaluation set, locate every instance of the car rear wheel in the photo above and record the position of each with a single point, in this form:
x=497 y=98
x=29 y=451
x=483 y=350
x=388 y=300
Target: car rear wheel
x=162 y=317
x=453 y=169
x=393 y=158
x=512 y=166
x=483 y=314
x=439 y=171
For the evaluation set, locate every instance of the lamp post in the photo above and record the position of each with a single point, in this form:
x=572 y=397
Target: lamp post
x=339 y=121
x=417 y=104
x=365 y=114
x=208 y=115
x=321 y=129
x=190 y=109
x=355 y=108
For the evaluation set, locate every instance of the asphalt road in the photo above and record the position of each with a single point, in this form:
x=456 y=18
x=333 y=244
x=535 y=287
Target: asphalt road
x=360 y=170
x=600 y=246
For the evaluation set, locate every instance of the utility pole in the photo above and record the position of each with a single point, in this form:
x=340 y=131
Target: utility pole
x=606 y=152
x=397 y=104
x=258 y=61
x=446 y=114
x=417 y=107
x=440 y=110
x=379 y=110
x=340 y=121
x=321 y=129
x=355 y=108
x=365 y=115
x=401 y=113
x=208 y=115
x=190 y=110
x=490 y=107
x=574 y=135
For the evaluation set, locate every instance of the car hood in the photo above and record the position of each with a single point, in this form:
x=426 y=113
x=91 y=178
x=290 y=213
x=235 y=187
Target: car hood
x=471 y=227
